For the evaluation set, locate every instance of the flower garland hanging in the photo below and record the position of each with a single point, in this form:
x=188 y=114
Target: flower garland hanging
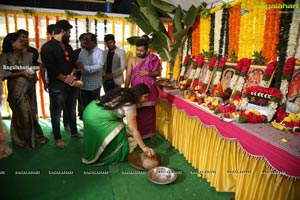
x=204 y=33
x=271 y=32
x=184 y=67
x=76 y=33
x=251 y=37
x=15 y=22
x=294 y=34
x=96 y=28
x=87 y=24
x=223 y=45
x=208 y=75
x=268 y=73
x=285 y=24
x=266 y=96
x=6 y=23
x=212 y=32
x=217 y=30
x=196 y=37
x=234 y=29
x=286 y=77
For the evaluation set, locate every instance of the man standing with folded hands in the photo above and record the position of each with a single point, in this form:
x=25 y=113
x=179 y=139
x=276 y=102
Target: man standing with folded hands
x=57 y=55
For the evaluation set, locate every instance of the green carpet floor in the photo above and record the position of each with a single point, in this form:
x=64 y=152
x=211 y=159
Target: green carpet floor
x=118 y=181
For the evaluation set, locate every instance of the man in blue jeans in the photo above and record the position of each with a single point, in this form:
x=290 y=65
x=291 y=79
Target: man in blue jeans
x=57 y=55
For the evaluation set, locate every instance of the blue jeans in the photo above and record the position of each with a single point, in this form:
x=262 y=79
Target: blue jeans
x=60 y=98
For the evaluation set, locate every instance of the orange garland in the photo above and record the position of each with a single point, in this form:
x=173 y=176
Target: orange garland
x=234 y=29
x=196 y=37
x=37 y=44
x=47 y=24
x=271 y=33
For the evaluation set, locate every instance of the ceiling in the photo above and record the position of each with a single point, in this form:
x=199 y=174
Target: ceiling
x=119 y=6
x=185 y=4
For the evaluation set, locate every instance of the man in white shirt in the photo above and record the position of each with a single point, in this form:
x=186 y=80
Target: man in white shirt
x=114 y=64
x=90 y=62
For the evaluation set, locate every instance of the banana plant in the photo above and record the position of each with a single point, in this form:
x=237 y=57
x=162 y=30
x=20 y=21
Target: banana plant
x=145 y=15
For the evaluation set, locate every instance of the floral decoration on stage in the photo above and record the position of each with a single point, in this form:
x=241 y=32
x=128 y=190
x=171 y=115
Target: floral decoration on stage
x=259 y=104
x=268 y=73
x=208 y=74
x=287 y=73
x=186 y=64
x=199 y=61
x=241 y=71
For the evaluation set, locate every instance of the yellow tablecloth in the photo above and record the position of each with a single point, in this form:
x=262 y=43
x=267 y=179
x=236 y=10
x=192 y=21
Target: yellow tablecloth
x=221 y=161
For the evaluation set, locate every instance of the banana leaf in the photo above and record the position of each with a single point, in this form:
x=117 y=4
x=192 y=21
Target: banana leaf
x=148 y=10
x=164 y=6
x=177 y=24
x=132 y=40
x=190 y=16
x=140 y=19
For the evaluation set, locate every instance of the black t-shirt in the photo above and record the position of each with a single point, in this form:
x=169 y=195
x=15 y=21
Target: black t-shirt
x=109 y=59
x=57 y=61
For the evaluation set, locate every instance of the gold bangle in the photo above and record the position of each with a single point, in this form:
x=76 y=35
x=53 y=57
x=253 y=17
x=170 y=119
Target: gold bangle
x=143 y=146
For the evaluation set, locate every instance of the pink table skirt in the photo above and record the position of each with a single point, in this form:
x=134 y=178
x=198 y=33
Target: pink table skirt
x=256 y=139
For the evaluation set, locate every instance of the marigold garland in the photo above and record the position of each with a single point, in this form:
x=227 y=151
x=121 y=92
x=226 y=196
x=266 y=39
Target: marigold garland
x=234 y=29
x=6 y=23
x=16 y=22
x=47 y=24
x=271 y=32
x=204 y=34
x=196 y=37
x=212 y=32
x=251 y=37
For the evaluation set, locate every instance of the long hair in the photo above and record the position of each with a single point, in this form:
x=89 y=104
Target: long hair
x=7 y=46
x=121 y=96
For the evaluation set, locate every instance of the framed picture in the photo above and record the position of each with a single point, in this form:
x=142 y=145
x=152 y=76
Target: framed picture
x=223 y=81
x=255 y=77
x=293 y=94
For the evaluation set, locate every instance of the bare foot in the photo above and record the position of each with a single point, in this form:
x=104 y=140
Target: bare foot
x=77 y=135
x=60 y=143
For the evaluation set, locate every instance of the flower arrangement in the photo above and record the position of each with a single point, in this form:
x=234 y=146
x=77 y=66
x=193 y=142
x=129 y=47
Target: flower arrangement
x=269 y=71
x=219 y=71
x=199 y=61
x=185 y=65
x=241 y=73
x=229 y=108
x=264 y=97
x=208 y=75
x=287 y=72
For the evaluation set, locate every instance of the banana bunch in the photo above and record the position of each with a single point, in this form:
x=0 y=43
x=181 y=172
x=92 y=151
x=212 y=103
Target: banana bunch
x=256 y=112
x=292 y=117
x=279 y=126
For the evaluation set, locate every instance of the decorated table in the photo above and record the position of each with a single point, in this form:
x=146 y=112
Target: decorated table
x=255 y=161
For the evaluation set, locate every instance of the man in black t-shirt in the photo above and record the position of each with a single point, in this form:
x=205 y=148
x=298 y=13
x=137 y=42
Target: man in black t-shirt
x=57 y=55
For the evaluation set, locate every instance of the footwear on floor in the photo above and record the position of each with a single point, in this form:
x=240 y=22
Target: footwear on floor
x=60 y=143
x=77 y=135
x=43 y=139
x=67 y=128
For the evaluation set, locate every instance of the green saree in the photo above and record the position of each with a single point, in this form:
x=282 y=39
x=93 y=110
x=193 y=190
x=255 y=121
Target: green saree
x=105 y=137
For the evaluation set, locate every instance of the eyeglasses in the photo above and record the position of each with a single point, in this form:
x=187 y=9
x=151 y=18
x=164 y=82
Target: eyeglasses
x=67 y=56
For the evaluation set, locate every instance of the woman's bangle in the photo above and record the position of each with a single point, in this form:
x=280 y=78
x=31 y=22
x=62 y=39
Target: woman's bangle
x=143 y=146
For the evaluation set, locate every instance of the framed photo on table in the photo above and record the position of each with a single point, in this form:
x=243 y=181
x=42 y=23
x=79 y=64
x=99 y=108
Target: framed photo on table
x=255 y=77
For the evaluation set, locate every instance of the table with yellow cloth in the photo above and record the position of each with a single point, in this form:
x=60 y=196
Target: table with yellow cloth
x=233 y=158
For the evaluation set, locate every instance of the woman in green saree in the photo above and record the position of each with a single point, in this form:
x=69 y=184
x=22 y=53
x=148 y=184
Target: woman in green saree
x=106 y=137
